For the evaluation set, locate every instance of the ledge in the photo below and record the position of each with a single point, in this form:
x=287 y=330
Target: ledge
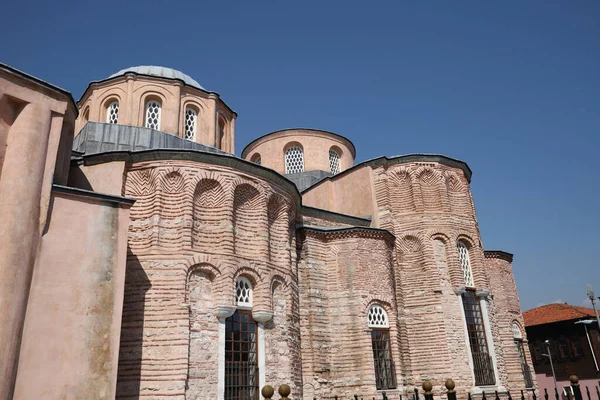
x=91 y=194
x=502 y=255
x=332 y=216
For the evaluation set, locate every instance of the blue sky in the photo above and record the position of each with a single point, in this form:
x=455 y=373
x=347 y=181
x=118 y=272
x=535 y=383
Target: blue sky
x=510 y=87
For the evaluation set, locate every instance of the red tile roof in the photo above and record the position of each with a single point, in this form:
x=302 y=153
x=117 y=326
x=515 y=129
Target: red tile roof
x=555 y=313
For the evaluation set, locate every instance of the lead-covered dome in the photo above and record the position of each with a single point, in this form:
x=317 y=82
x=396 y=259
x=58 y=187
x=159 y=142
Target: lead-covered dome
x=161 y=72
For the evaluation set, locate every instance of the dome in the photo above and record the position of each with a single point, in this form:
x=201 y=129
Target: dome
x=161 y=72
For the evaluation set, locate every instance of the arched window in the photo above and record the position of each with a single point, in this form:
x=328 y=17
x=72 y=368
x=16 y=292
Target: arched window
x=294 y=160
x=190 y=124
x=516 y=331
x=112 y=112
x=518 y=337
x=465 y=264
x=256 y=159
x=153 y=111
x=385 y=372
x=243 y=292
x=334 y=161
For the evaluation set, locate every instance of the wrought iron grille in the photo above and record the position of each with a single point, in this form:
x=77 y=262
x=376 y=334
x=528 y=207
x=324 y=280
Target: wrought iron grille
x=483 y=366
x=153 y=114
x=241 y=357
x=524 y=366
x=190 y=124
x=385 y=372
x=334 y=161
x=294 y=160
x=112 y=113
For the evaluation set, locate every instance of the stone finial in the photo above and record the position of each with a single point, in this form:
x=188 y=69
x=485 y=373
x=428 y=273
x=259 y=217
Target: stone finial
x=574 y=379
x=267 y=391
x=450 y=385
x=284 y=391
x=427 y=386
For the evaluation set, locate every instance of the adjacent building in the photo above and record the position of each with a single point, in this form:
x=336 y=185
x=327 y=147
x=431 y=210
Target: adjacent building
x=140 y=257
x=570 y=335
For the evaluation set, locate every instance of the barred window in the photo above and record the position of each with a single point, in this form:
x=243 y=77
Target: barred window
x=256 y=159
x=385 y=373
x=243 y=292
x=334 y=161
x=190 y=124
x=241 y=357
x=483 y=367
x=220 y=134
x=294 y=160
x=112 y=112
x=518 y=336
x=465 y=264
x=153 y=108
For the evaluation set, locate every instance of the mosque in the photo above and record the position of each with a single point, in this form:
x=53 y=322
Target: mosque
x=141 y=258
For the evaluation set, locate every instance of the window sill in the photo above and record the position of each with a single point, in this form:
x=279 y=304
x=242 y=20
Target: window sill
x=478 y=390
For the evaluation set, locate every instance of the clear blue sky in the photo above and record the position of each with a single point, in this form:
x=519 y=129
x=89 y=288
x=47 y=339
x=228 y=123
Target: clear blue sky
x=510 y=87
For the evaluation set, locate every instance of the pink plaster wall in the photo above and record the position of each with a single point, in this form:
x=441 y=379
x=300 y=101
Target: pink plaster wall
x=103 y=178
x=314 y=143
x=71 y=335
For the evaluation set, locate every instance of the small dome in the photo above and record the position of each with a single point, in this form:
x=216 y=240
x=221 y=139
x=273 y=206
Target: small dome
x=162 y=72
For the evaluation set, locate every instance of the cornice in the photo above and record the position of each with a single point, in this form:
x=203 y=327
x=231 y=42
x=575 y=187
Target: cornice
x=499 y=254
x=342 y=233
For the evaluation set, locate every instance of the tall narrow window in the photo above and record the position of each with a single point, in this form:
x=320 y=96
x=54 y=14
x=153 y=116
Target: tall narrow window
x=334 y=161
x=153 y=108
x=465 y=264
x=518 y=337
x=294 y=160
x=190 y=124
x=483 y=367
x=112 y=112
x=241 y=357
x=385 y=374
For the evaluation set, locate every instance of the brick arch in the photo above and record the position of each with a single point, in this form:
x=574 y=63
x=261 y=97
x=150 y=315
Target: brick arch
x=211 y=217
x=249 y=225
x=259 y=289
x=209 y=270
x=142 y=184
x=432 y=193
x=278 y=230
x=174 y=205
x=402 y=194
x=459 y=198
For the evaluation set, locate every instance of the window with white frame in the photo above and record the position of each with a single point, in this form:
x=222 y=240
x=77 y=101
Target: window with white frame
x=334 y=161
x=153 y=111
x=385 y=373
x=190 y=124
x=465 y=264
x=516 y=331
x=294 y=160
x=243 y=292
x=112 y=112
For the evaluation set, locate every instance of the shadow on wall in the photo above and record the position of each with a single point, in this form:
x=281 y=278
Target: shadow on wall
x=132 y=329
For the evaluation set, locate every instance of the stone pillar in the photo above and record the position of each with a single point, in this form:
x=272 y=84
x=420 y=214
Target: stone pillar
x=20 y=195
x=262 y=317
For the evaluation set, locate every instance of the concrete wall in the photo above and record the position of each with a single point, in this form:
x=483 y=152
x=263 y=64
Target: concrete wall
x=71 y=335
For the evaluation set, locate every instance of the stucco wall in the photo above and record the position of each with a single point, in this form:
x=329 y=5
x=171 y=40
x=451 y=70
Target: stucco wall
x=133 y=91
x=103 y=178
x=71 y=335
x=314 y=143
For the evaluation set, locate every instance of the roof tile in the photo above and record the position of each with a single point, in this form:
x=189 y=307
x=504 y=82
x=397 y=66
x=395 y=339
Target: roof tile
x=555 y=313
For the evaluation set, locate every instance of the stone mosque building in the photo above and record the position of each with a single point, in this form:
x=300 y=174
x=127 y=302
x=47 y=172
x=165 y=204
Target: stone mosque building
x=140 y=258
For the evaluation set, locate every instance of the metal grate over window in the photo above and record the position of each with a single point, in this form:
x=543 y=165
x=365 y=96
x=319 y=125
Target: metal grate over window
x=294 y=160
x=483 y=367
x=385 y=372
x=190 y=124
x=241 y=357
x=153 y=108
x=334 y=161
x=243 y=292
x=465 y=264
x=378 y=317
x=112 y=112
